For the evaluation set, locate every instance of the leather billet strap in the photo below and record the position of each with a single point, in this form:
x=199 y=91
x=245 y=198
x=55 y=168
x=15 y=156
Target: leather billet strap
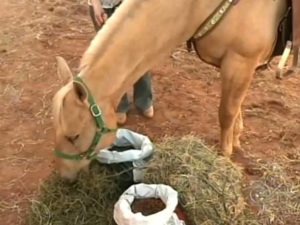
x=214 y=18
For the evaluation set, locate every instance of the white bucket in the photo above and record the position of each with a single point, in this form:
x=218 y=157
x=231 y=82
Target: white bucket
x=123 y=214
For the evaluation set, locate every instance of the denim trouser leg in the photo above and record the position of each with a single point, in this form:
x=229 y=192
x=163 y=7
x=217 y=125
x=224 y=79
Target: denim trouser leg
x=123 y=106
x=142 y=93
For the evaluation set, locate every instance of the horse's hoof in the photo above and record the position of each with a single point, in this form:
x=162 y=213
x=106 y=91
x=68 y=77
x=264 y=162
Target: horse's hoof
x=226 y=153
x=238 y=148
x=238 y=154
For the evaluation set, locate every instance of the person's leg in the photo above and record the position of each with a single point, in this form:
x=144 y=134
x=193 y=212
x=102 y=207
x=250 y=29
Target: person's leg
x=142 y=95
x=123 y=106
x=109 y=12
x=122 y=109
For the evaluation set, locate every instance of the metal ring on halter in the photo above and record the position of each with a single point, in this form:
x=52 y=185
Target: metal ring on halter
x=95 y=110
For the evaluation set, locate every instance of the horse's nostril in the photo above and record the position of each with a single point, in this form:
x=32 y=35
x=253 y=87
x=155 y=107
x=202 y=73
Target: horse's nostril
x=72 y=138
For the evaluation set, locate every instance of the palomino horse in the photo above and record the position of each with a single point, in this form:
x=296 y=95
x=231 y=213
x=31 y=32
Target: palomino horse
x=138 y=36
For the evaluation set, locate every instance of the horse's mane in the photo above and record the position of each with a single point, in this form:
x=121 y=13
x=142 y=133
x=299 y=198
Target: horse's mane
x=93 y=52
x=97 y=47
x=89 y=58
x=109 y=31
x=99 y=43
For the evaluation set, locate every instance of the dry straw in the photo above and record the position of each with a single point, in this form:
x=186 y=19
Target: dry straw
x=209 y=185
x=212 y=190
x=89 y=201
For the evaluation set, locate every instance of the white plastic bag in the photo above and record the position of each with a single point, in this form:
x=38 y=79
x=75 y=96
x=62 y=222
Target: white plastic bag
x=123 y=214
x=143 y=148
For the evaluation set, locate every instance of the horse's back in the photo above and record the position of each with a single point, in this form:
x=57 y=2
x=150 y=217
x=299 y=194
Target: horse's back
x=249 y=29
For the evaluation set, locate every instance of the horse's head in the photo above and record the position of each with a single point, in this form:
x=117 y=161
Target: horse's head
x=80 y=126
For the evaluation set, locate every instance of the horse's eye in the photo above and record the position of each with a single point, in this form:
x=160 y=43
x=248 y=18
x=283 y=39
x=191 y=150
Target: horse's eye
x=72 y=138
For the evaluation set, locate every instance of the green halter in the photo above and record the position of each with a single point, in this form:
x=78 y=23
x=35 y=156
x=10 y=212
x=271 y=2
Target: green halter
x=101 y=129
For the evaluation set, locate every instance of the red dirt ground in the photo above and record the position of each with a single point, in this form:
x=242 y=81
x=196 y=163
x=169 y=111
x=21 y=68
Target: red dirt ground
x=187 y=94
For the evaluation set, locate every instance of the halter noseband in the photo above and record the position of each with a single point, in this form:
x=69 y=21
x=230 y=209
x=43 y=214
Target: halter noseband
x=101 y=129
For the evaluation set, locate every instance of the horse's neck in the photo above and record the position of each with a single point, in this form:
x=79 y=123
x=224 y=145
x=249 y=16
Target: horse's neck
x=136 y=37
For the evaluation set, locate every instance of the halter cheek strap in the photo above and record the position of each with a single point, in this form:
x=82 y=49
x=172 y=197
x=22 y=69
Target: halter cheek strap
x=100 y=129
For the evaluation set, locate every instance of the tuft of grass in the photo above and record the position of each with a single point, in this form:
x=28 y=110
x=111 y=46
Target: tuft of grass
x=212 y=190
x=88 y=201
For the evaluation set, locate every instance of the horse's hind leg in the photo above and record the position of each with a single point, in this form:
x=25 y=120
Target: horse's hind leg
x=236 y=74
x=237 y=130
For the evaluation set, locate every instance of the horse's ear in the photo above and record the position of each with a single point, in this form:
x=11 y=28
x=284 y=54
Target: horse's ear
x=80 y=91
x=63 y=70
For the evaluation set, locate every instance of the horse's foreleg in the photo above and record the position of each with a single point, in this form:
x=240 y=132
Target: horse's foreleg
x=236 y=73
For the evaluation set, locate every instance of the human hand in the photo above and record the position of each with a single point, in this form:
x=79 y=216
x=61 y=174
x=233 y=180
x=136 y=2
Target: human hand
x=99 y=13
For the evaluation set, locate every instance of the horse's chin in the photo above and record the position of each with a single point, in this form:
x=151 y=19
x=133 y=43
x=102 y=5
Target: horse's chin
x=69 y=176
x=69 y=170
x=67 y=181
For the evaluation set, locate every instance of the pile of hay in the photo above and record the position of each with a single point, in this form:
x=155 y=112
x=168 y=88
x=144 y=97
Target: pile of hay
x=209 y=187
x=88 y=201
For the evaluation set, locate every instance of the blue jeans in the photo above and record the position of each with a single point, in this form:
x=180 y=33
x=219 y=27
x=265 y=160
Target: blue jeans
x=142 y=89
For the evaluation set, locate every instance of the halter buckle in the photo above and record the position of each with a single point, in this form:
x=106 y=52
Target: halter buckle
x=95 y=110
